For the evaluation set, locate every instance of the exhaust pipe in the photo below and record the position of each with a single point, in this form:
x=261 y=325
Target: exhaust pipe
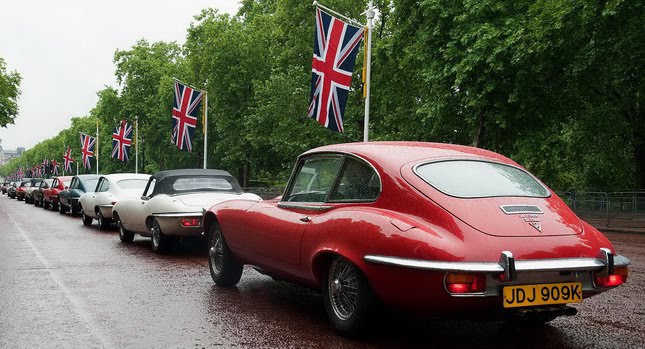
x=545 y=312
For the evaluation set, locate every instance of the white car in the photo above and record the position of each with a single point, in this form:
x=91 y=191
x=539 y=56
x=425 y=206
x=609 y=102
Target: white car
x=173 y=203
x=110 y=189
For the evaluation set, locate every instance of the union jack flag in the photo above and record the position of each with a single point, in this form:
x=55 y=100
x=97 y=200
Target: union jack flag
x=87 y=149
x=67 y=158
x=44 y=167
x=20 y=173
x=54 y=166
x=121 y=140
x=335 y=47
x=186 y=108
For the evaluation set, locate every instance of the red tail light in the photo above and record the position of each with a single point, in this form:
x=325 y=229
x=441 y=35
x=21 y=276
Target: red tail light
x=190 y=221
x=618 y=278
x=465 y=283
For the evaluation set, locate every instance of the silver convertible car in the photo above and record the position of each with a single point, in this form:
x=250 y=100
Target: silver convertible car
x=173 y=203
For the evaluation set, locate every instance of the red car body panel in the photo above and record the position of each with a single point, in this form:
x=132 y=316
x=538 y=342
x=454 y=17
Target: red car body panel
x=410 y=219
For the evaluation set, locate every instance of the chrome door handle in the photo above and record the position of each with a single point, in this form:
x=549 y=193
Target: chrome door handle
x=305 y=219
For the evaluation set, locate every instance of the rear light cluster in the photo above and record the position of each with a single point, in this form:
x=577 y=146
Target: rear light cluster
x=618 y=278
x=458 y=283
x=190 y=221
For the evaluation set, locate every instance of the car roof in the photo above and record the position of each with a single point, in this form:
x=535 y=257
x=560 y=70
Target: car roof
x=189 y=172
x=398 y=154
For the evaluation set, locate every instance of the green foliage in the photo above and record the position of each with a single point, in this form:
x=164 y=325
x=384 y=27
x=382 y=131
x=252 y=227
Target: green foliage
x=9 y=92
x=555 y=85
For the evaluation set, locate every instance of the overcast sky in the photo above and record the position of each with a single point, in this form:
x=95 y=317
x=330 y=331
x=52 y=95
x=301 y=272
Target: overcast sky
x=63 y=49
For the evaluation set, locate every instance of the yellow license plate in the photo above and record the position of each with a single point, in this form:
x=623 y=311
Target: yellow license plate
x=542 y=294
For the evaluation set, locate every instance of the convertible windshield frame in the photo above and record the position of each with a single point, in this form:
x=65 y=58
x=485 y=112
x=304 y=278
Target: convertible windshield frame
x=546 y=191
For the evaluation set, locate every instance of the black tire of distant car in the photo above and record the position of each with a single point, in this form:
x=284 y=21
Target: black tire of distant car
x=104 y=223
x=349 y=318
x=62 y=209
x=87 y=220
x=160 y=242
x=225 y=269
x=124 y=234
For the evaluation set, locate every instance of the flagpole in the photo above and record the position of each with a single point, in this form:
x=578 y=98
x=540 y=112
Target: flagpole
x=370 y=16
x=205 y=130
x=136 y=144
x=97 y=145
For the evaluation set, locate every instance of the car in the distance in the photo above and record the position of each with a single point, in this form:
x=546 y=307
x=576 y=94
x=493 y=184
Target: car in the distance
x=29 y=192
x=80 y=184
x=50 y=197
x=11 y=190
x=37 y=193
x=423 y=227
x=172 y=205
x=22 y=188
x=110 y=189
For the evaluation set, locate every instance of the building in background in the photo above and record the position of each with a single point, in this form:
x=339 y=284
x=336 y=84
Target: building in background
x=6 y=155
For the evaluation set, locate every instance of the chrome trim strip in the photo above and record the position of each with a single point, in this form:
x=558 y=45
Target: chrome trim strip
x=437 y=265
x=304 y=207
x=560 y=264
x=105 y=206
x=178 y=214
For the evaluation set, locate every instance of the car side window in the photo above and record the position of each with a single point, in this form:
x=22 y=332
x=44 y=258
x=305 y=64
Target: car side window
x=314 y=178
x=74 y=184
x=358 y=183
x=104 y=185
x=55 y=183
x=150 y=188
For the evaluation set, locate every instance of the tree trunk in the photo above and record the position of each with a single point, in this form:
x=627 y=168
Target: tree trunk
x=478 y=140
x=639 y=159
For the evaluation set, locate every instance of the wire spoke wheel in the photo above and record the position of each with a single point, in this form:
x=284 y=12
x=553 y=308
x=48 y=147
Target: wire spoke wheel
x=343 y=288
x=216 y=252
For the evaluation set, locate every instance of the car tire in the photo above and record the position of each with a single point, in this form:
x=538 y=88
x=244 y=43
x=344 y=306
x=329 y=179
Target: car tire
x=61 y=208
x=87 y=220
x=225 y=269
x=160 y=242
x=45 y=205
x=349 y=300
x=75 y=210
x=124 y=234
x=36 y=202
x=104 y=223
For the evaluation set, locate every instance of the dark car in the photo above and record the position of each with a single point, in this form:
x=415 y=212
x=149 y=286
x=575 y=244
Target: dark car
x=37 y=193
x=11 y=189
x=80 y=184
x=22 y=187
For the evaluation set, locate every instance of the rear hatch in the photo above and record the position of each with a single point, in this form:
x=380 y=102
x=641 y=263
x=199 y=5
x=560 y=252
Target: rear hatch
x=496 y=199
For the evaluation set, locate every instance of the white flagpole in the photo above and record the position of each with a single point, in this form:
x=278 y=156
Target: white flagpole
x=370 y=16
x=205 y=130
x=77 y=168
x=97 y=146
x=136 y=144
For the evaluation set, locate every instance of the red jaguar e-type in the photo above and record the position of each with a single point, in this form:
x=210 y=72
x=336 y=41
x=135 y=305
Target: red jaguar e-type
x=425 y=227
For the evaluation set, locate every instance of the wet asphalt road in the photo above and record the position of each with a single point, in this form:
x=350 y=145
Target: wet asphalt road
x=65 y=285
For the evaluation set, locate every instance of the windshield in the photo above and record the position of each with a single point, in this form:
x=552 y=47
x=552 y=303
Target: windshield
x=90 y=184
x=476 y=179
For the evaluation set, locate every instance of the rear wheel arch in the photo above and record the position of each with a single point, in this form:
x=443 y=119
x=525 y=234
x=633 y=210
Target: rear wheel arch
x=322 y=262
x=208 y=220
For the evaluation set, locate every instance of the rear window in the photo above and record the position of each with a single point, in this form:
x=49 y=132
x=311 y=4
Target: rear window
x=476 y=179
x=133 y=183
x=202 y=183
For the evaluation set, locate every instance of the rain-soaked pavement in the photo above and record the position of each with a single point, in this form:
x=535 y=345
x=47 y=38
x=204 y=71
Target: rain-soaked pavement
x=64 y=285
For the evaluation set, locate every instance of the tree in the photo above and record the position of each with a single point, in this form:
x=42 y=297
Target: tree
x=9 y=92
